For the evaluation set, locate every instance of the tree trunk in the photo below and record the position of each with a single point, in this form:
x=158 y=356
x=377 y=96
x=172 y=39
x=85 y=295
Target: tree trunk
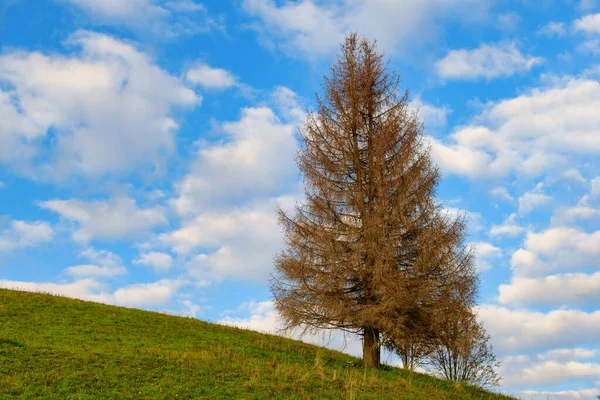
x=371 y=350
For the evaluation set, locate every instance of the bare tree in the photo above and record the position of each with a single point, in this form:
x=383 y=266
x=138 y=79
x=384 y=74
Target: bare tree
x=370 y=250
x=412 y=353
x=465 y=353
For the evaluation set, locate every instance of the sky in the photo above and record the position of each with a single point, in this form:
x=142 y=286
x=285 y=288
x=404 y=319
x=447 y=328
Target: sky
x=144 y=146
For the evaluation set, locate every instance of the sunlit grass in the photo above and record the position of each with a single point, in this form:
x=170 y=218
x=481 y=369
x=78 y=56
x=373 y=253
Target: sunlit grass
x=54 y=347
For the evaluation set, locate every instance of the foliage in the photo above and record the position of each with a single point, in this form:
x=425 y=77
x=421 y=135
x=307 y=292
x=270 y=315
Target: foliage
x=465 y=354
x=370 y=251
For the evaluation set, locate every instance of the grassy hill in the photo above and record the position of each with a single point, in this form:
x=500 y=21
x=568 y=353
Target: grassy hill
x=54 y=347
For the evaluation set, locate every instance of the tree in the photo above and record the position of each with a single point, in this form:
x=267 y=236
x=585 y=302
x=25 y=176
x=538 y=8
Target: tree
x=412 y=353
x=370 y=250
x=465 y=354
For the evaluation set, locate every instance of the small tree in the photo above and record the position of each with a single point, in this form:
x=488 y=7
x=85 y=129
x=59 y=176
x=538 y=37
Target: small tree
x=464 y=353
x=370 y=251
x=413 y=353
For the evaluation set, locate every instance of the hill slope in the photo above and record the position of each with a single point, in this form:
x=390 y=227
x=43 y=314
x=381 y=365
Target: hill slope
x=54 y=347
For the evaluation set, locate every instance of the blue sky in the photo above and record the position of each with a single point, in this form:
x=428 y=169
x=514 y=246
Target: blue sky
x=144 y=145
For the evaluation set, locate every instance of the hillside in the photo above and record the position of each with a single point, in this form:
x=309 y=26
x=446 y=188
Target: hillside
x=54 y=347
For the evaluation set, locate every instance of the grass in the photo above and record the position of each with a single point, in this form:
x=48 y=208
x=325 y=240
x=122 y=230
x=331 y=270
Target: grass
x=58 y=348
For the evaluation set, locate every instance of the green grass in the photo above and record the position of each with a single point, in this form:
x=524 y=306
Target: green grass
x=59 y=348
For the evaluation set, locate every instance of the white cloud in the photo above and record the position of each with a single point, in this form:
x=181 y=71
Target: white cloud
x=588 y=23
x=506 y=229
x=22 y=234
x=147 y=294
x=161 y=262
x=153 y=294
x=501 y=193
x=553 y=29
x=552 y=367
x=109 y=108
x=458 y=159
x=534 y=133
x=487 y=61
x=560 y=248
x=90 y=270
x=574 y=175
x=485 y=253
x=115 y=218
x=210 y=78
x=256 y=157
x=264 y=318
x=167 y=18
x=525 y=331
x=432 y=116
x=105 y=264
x=552 y=372
x=566 y=215
x=313 y=29
x=591 y=46
x=575 y=394
x=85 y=289
x=238 y=243
x=555 y=290
x=530 y=201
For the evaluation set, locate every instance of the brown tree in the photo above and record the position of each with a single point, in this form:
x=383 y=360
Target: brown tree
x=464 y=353
x=370 y=250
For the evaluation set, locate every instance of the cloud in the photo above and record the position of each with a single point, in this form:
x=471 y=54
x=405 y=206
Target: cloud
x=167 y=18
x=588 y=24
x=487 y=61
x=458 y=159
x=539 y=131
x=554 y=367
x=432 y=116
x=22 y=234
x=501 y=193
x=574 y=175
x=161 y=262
x=116 y=218
x=105 y=264
x=575 y=394
x=560 y=248
x=255 y=157
x=553 y=29
x=153 y=294
x=147 y=294
x=485 y=253
x=591 y=46
x=529 y=201
x=506 y=229
x=210 y=78
x=313 y=29
x=106 y=109
x=239 y=243
x=526 y=331
x=264 y=318
x=566 y=215
x=554 y=291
